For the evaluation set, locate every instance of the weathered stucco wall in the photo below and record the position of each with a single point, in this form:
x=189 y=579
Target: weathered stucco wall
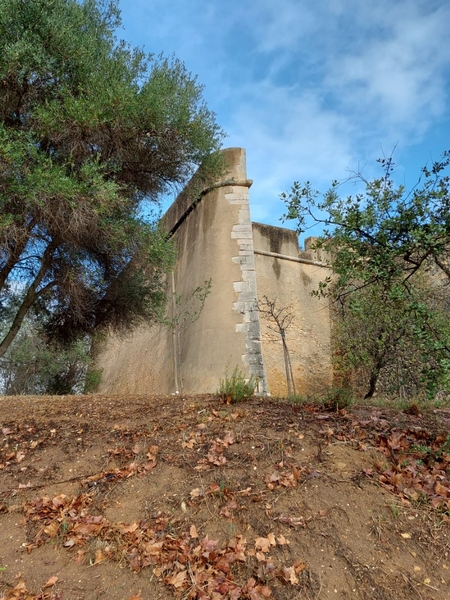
x=288 y=275
x=245 y=262
x=138 y=363
x=213 y=236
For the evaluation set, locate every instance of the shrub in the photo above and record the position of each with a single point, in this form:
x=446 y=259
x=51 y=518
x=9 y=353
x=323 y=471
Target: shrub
x=236 y=388
x=338 y=398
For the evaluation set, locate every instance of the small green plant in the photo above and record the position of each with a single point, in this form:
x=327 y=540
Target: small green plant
x=236 y=388
x=298 y=399
x=445 y=448
x=428 y=453
x=338 y=398
x=421 y=500
x=421 y=448
x=394 y=510
x=221 y=490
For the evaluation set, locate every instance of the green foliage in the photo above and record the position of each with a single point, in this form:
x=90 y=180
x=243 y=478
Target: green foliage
x=91 y=132
x=92 y=380
x=34 y=366
x=187 y=309
x=390 y=251
x=435 y=453
x=387 y=342
x=383 y=234
x=337 y=398
x=298 y=399
x=235 y=387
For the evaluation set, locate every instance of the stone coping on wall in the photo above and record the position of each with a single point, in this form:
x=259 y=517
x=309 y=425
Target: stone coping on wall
x=197 y=189
x=282 y=243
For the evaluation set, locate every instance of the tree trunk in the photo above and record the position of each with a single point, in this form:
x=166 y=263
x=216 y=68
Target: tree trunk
x=372 y=384
x=28 y=300
x=441 y=264
x=374 y=375
x=14 y=255
x=288 y=366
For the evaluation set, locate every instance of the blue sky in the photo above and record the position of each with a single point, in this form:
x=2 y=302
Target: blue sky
x=311 y=89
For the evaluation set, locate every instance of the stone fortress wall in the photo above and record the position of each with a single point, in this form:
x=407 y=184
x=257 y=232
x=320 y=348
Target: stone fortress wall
x=245 y=262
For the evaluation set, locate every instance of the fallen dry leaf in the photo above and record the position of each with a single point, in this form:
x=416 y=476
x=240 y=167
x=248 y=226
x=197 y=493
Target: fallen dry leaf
x=262 y=544
x=23 y=486
x=52 y=529
x=178 y=579
x=299 y=566
x=20 y=456
x=190 y=444
x=51 y=581
x=196 y=493
x=193 y=532
x=128 y=528
x=282 y=541
x=288 y=574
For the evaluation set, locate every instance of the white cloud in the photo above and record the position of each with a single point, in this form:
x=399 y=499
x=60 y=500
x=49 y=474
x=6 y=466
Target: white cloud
x=280 y=25
x=398 y=75
x=299 y=141
x=310 y=89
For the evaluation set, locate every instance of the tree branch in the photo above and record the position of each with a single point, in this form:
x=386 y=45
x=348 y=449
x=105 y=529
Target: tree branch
x=28 y=300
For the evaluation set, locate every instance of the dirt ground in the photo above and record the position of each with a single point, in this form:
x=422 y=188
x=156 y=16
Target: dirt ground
x=155 y=498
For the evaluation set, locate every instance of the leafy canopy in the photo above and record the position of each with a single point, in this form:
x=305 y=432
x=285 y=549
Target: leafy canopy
x=390 y=251
x=385 y=232
x=91 y=130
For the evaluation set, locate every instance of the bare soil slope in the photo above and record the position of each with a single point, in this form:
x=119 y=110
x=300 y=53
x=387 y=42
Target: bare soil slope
x=125 y=497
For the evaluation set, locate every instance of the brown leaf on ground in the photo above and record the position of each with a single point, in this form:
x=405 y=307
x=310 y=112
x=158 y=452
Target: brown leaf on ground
x=51 y=582
x=211 y=520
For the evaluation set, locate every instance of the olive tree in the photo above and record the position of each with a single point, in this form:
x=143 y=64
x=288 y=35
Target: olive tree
x=91 y=131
